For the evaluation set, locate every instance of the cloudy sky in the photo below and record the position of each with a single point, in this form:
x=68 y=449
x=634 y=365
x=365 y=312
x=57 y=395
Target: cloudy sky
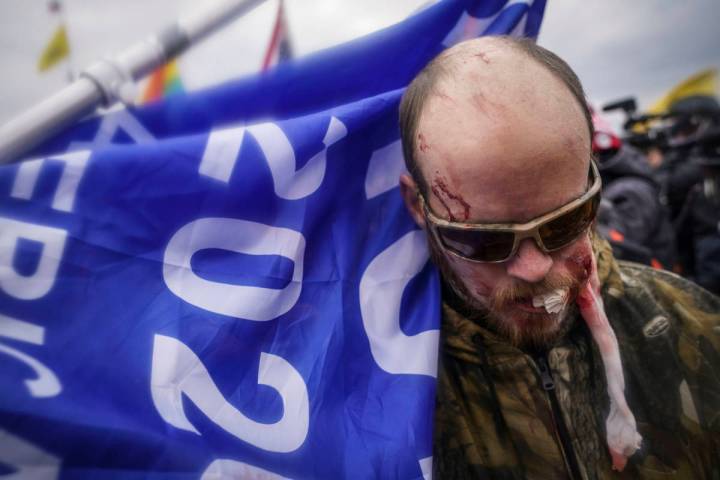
x=618 y=47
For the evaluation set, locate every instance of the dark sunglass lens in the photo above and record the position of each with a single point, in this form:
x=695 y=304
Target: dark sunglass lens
x=475 y=245
x=563 y=230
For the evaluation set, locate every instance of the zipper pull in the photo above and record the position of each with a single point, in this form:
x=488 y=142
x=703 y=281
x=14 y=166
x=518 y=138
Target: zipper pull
x=547 y=380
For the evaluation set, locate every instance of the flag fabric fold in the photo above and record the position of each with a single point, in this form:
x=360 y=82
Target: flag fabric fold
x=224 y=284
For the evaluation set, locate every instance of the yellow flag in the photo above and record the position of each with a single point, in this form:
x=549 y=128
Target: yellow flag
x=702 y=83
x=57 y=49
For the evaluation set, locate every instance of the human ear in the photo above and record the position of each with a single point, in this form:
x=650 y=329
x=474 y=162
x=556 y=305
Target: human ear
x=408 y=190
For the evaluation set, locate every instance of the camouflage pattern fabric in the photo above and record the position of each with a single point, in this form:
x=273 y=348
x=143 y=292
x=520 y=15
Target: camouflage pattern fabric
x=494 y=419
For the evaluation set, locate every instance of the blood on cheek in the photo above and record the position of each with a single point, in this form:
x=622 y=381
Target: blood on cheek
x=578 y=260
x=581 y=267
x=583 y=300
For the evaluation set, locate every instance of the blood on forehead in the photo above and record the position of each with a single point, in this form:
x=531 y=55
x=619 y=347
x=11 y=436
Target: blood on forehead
x=449 y=199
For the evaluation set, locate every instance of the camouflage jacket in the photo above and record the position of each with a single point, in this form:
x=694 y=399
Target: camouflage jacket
x=499 y=417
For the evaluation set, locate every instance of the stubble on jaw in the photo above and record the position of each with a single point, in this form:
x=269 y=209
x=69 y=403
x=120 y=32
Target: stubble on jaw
x=524 y=330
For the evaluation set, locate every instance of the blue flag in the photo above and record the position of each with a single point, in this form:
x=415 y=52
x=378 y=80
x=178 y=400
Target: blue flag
x=225 y=284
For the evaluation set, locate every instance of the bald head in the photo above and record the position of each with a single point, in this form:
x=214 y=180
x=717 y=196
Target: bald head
x=507 y=82
x=496 y=131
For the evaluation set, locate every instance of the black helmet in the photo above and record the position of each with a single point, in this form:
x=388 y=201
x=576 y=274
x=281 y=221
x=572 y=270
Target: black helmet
x=692 y=117
x=703 y=105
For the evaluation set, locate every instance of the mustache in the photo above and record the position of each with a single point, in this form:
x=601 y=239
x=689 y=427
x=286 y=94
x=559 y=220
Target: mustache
x=517 y=290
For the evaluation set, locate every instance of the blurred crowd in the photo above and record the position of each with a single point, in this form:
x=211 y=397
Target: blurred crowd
x=661 y=187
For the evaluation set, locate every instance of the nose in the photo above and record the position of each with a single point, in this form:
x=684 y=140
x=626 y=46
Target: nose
x=529 y=263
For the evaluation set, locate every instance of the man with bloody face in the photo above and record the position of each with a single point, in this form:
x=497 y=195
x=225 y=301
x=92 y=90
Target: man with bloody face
x=556 y=360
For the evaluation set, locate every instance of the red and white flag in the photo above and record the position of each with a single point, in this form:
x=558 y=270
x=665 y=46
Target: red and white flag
x=279 y=49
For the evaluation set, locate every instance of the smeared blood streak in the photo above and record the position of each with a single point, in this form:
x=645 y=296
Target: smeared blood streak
x=439 y=186
x=424 y=147
x=436 y=192
x=583 y=300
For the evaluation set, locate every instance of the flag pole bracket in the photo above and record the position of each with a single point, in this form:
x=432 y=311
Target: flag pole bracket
x=110 y=80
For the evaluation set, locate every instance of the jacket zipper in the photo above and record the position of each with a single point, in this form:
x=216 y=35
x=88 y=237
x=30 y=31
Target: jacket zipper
x=566 y=447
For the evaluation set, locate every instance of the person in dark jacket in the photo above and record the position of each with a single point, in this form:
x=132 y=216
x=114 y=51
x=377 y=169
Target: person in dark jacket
x=690 y=118
x=631 y=216
x=556 y=360
x=698 y=224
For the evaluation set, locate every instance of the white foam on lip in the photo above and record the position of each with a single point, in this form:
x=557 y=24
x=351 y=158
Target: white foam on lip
x=553 y=301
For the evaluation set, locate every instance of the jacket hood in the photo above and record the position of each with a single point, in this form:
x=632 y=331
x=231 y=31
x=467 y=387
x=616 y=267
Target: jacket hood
x=627 y=162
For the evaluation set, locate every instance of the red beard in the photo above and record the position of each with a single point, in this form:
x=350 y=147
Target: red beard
x=507 y=310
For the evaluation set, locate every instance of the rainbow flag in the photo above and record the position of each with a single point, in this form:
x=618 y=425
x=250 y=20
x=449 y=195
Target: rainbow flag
x=163 y=81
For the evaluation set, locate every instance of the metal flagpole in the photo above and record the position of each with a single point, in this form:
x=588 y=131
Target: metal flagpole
x=110 y=80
